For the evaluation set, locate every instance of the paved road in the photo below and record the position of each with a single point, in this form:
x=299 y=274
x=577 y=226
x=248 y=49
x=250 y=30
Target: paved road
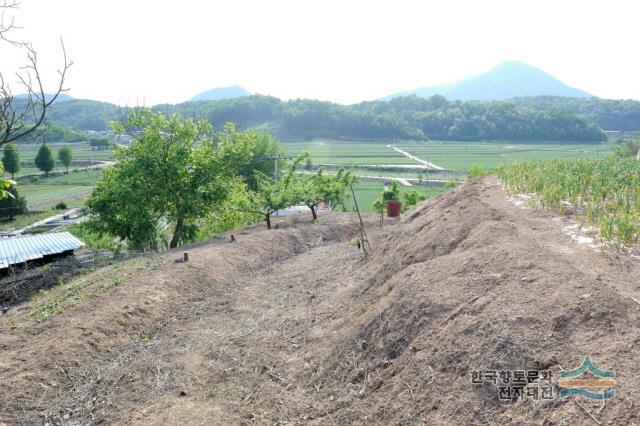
x=51 y=220
x=414 y=158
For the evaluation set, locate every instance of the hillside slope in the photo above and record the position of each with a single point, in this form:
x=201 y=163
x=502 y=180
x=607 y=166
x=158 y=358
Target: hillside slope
x=288 y=327
x=508 y=80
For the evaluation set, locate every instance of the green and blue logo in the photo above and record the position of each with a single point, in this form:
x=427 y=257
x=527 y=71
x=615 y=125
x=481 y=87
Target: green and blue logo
x=588 y=381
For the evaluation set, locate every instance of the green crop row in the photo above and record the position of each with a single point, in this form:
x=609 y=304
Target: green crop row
x=604 y=193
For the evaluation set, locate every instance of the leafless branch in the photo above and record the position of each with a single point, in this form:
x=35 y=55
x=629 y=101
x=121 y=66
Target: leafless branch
x=20 y=117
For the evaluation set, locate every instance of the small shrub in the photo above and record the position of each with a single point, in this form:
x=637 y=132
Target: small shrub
x=452 y=183
x=476 y=170
x=411 y=198
x=61 y=206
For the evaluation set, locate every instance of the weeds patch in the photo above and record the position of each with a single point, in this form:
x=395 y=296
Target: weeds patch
x=57 y=299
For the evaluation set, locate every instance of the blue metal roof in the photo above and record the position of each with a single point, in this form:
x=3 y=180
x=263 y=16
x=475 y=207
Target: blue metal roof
x=15 y=250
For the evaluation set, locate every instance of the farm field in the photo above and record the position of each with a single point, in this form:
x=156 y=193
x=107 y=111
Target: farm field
x=461 y=155
x=602 y=193
x=50 y=191
x=81 y=152
x=452 y=155
x=346 y=153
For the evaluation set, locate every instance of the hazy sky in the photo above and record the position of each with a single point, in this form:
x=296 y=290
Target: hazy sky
x=155 y=51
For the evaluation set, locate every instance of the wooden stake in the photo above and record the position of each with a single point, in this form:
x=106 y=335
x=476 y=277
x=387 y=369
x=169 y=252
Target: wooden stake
x=363 y=233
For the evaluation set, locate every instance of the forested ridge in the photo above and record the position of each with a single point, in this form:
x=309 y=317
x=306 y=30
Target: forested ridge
x=608 y=114
x=408 y=117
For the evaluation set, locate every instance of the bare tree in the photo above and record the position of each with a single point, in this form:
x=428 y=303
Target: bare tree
x=21 y=116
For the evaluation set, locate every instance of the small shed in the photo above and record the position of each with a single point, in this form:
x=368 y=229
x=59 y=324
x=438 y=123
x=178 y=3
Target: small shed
x=42 y=247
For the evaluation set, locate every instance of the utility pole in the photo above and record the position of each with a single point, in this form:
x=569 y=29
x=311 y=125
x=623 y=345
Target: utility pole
x=276 y=158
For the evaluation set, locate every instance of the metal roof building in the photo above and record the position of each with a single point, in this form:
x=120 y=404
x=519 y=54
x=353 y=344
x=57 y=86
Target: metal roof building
x=25 y=248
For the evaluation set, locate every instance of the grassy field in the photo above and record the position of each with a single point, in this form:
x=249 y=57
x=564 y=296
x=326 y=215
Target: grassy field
x=347 y=153
x=81 y=152
x=452 y=155
x=50 y=191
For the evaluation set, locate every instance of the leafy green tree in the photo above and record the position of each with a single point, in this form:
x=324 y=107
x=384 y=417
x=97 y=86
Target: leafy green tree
x=308 y=164
x=252 y=152
x=410 y=198
x=173 y=174
x=476 y=170
x=65 y=155
x=11 y=159
x=12 y=204
x=390 y=193
x=44 y=159
x=273 y=194
x=628 y=147
x=100 y=144
x=321 y=187
x=229 y=215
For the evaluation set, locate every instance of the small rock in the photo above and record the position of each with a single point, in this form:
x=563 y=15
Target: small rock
x=585 y=296
x=182 y=393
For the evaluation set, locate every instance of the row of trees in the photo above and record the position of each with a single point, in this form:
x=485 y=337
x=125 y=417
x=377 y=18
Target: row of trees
x=180 y=176
x=44 y=159
x=408 y=117
x=608 y=114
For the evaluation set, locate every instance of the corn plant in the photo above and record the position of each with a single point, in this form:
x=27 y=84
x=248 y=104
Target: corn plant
x=603 y=192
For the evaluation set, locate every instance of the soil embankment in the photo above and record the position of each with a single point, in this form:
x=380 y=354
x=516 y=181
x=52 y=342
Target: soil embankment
x=294 y=326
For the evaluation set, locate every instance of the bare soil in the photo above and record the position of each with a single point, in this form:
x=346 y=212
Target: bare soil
x=294 y=326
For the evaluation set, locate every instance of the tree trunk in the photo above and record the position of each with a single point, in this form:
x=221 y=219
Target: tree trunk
x=268 y=216
x=313 y=212
x=177 y=233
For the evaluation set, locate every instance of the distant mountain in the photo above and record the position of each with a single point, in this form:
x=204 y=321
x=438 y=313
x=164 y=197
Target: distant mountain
x=508 y=80
x=220 y=93
x=62 y=97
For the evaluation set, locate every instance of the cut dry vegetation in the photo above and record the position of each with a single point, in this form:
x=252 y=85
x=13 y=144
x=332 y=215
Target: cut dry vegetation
x=293 y=326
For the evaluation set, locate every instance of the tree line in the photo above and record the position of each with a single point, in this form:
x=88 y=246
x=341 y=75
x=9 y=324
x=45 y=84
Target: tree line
x=608 y=114
x=44 y=159
x=408 y=117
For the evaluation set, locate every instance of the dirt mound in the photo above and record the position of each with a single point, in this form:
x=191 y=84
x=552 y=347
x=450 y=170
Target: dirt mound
x=295 y=326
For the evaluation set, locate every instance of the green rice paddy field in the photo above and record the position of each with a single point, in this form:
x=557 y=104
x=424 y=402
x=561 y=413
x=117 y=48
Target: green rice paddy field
x=452 y=155
x=456 y=156
x=70 y=189
x=461 y=155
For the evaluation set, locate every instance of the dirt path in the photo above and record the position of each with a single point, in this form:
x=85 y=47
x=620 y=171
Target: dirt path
x=294 y=326
x=414 y=158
